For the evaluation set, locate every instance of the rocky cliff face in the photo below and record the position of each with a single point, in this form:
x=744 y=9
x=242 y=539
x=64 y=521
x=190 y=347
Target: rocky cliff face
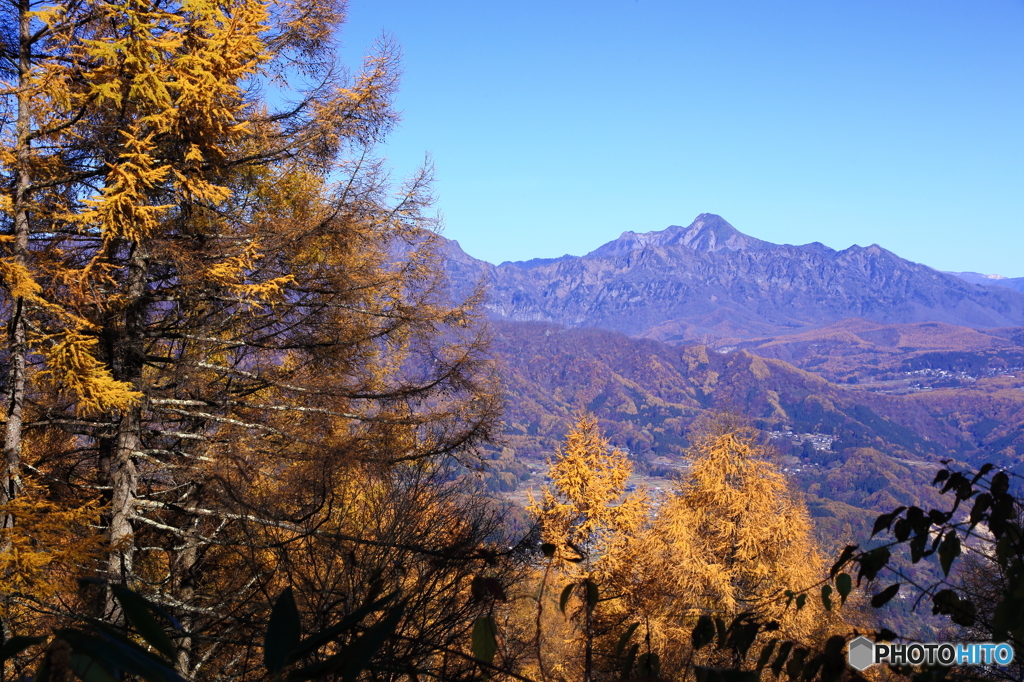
x=710 y=279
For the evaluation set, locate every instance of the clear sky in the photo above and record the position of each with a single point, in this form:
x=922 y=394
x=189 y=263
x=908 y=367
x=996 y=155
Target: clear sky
x=555 y=125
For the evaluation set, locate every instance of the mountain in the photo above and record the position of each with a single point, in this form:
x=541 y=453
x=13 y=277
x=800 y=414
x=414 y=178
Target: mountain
x=890 y=357
x=650 y=393
x=1015 y=283
x=853 y=452
x=710 y=280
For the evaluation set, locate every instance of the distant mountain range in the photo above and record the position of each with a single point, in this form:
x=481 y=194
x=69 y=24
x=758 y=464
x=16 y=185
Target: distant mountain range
x=710 y=281
x=1015 y=283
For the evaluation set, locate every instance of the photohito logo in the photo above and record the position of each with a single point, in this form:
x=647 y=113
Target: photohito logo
x=862 y=653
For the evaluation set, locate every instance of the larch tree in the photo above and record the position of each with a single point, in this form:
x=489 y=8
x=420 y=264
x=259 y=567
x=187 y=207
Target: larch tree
x=219 y=312
x=727 y=554
x=732 y=539
x=592 y=526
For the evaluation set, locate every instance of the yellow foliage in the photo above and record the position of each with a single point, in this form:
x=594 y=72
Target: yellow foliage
x=46 y=546
x=731 y=538
x=585 y=511
x=72 y=365
x=230 y=320
x=18 y=280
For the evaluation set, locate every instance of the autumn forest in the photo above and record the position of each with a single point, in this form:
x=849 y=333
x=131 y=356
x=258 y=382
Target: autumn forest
x=250 y=432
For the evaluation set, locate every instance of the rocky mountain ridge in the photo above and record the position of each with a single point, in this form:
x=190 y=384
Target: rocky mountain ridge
x=710 y=281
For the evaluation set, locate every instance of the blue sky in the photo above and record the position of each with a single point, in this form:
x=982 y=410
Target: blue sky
x=554 y=126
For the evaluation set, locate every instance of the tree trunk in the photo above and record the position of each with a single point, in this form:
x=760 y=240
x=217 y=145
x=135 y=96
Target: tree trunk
x=123 y=474
x=18 y=342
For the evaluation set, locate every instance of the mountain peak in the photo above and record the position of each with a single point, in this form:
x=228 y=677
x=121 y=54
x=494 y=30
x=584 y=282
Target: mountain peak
x=708 y=233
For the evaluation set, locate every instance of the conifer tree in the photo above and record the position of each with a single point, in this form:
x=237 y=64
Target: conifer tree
x=220 y=305
x=593 y=526
x=585 y=510
x=731 y=539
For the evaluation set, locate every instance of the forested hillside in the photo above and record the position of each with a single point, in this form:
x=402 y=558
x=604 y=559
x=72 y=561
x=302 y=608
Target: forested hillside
x=853 y=451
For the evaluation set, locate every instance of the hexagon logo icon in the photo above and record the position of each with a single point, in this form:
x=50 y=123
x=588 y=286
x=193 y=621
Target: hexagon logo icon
x=860 y=653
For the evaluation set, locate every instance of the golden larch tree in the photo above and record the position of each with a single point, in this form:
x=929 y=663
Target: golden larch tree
x=593 y=526
x=220 y=311
x=732 y=538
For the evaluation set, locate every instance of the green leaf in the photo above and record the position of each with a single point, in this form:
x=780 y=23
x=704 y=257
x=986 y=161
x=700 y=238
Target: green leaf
x=811 y=669
x=564 y=598
x=833 y=659
x=966 y=613
x=917 y=547
x=872 y=562
x=349 y=622
x=826 y=597
x=795 y=665
x=139 y=612
x=901 y=529
x=985 y=468
x=766 y=653
x=624 y=638
x=948 y=551
x=120 y=653
x=630 y=659
x=495 y=588
x=963 y=612
x=485 y=639
x=702 y=633
x=283 y=632
x=885 y=596
x=350 y=662
x=648 y=666
x=482 y=587
x=885 y=520
x=1007 y=618
x=780 y=660
x=15 y=645
x=743 y=634
x=981 y=505
x=722 y=631
x=844 y=585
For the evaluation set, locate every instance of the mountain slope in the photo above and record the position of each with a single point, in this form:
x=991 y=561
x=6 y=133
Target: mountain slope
x=854 y=452
x=856 y=350
x=710 y=279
